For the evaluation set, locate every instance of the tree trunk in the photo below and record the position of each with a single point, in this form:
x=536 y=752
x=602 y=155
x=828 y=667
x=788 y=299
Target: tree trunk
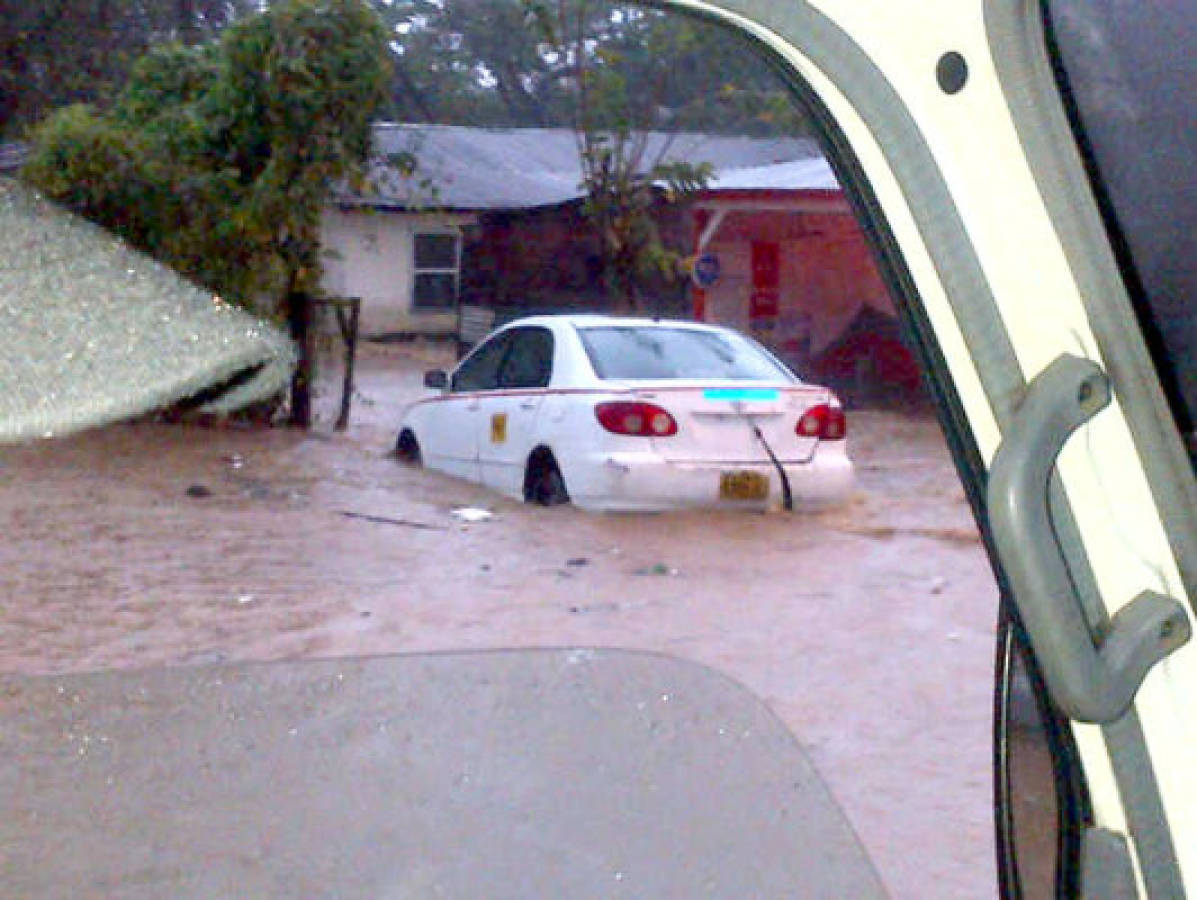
x=623 y=268
x=413 y=93
x=630 y=304
x=187 y=24
x=299 y=318
x=12 y=57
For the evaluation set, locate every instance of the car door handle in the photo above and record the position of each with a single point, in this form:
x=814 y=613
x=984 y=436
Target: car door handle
x=528 y=404
x=1091 y=678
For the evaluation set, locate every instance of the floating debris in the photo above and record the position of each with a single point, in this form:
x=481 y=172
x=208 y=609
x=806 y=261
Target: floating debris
x=472 y=514
x=386 y=520
x=656 y=569
x=595 y=608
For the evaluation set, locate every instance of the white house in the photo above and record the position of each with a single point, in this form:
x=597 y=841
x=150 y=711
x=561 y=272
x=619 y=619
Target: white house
x=405 y=266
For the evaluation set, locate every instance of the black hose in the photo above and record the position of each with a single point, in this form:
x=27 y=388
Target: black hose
x=787 y=498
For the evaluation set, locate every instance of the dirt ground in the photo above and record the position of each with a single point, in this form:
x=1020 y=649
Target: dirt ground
x=867 y=628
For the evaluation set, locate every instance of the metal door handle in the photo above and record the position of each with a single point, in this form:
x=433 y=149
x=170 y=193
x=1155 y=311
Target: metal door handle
x=1091 y=677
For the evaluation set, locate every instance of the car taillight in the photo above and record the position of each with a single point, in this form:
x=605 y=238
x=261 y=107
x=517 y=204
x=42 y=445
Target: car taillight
x=635 y=418
x=823 y=421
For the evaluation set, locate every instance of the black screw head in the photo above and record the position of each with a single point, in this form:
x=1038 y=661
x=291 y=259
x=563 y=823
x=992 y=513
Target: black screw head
x=951 y=72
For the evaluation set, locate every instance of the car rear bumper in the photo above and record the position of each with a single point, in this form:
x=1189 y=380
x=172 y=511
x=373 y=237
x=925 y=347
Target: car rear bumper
x=645 y=482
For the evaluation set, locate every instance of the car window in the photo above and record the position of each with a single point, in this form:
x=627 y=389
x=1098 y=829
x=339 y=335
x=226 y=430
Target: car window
x=656 y=352
x=480 y=370
x=529 y=362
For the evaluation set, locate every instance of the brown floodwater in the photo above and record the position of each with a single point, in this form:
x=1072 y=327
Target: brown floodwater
x=867 y=628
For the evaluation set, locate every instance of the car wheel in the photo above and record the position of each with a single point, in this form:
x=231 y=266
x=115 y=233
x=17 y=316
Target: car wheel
x=543 y=483
x=407 y=449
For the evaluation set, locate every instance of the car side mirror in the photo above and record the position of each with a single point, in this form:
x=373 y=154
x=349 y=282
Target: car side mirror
x=436 y=379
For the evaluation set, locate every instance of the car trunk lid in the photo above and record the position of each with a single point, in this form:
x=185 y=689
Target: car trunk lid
x=719 y=422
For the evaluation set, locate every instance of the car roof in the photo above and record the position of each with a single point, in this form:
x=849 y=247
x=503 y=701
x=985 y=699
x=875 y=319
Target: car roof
x=595 y=320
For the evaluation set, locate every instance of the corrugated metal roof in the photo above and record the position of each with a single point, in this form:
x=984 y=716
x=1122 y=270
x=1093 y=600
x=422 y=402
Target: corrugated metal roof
x=798 y=175
x=461 y=167
x=13 y=155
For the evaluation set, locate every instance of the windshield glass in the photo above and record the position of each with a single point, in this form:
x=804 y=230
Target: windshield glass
x=655 y=352
x=390 y=183
x=1128 y=71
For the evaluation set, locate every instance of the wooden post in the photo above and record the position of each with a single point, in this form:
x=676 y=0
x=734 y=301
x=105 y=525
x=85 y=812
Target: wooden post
x=348 y=325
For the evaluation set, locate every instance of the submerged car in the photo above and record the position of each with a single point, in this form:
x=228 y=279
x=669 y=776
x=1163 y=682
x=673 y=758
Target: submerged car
x=630 y=414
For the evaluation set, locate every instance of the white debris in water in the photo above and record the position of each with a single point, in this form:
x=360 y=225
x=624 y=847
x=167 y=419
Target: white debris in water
x=472 y=514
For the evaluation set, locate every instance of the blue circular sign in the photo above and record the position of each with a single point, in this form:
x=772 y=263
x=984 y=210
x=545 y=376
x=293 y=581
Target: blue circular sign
x=706 y=270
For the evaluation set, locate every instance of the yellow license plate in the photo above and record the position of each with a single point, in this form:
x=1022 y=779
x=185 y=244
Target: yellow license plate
x=743 y=486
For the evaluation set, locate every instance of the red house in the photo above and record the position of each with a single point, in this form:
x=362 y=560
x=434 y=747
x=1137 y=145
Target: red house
x=778 y=254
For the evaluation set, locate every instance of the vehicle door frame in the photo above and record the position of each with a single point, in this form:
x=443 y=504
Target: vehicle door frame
x=452 y=445
x=891 y=134
x=507 y=419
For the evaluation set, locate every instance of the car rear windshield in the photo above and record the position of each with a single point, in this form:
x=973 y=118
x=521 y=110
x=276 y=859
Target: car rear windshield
x=629 y=352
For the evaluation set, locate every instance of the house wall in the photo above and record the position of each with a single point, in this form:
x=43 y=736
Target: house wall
x=547 y=259
x=531 y=259
x=826 y=277
x=369 y=254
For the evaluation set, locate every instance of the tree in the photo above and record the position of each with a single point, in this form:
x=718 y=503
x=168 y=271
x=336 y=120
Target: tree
x=626 y=172
x=481 y=62
x=218 y=159
x=56 y=52
x=468 y=62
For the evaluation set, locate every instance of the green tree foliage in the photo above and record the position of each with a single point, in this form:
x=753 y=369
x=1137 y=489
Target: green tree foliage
x=57 y=52
x=692 y=75
x=218 y=159
x=616 y=117
x=441 y=53
x=293 y=109
x=483 y=62
x=469 y=62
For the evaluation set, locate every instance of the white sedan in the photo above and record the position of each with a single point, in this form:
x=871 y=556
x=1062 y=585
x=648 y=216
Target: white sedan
x=630 y=414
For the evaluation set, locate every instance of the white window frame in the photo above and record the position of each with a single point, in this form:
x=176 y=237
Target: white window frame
x=417 y=270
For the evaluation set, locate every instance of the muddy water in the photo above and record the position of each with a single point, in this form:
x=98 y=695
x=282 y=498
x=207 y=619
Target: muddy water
x=867 y=628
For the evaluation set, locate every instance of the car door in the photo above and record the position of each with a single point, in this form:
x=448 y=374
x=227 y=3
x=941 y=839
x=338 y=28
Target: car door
x=508 y=417
x=451 y=444
x=1126 y=75
x=948 y=128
